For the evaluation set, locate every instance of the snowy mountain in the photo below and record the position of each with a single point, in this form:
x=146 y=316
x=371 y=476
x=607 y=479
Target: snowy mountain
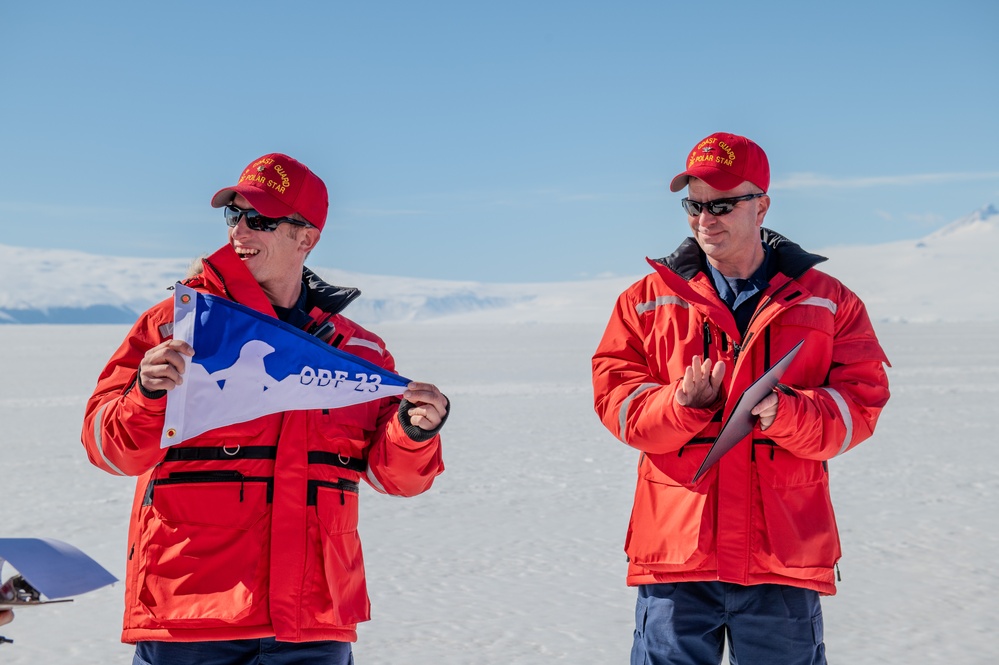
x=936 y=278
x=949 y=275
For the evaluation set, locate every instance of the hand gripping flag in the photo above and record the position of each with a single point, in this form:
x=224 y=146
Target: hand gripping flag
x=247 y=365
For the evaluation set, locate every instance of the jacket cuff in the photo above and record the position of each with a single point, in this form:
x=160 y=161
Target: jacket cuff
x=414 y=432
x=693 y=418
x=149 y=394
x=785 y=425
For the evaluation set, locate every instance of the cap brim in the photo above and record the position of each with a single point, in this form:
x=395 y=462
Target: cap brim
x=261 y=201
x=719 y=180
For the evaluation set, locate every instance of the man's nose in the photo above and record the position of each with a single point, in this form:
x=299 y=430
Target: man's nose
x=706 y=218
x=241 y=229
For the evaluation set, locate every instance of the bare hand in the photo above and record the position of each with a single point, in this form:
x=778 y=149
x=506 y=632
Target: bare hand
x=701 y=383
x=6 y=616
x=162 y=366
x=767 y=410
x=430 y=405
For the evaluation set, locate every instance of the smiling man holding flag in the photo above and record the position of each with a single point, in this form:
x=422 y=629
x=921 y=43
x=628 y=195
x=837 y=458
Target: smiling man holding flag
x=250 y=409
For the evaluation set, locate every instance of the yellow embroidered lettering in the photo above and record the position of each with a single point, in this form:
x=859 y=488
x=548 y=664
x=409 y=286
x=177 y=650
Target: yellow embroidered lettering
x=285 y=180
x=724 y=146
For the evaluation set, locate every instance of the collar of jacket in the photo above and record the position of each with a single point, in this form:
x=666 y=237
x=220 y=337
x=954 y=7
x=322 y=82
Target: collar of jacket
x=225 y=273
x=688 y=260
x=331 y=299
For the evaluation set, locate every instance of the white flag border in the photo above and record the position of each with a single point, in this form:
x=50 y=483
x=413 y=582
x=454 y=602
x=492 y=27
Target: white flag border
x=185 y=313
x=185 y=309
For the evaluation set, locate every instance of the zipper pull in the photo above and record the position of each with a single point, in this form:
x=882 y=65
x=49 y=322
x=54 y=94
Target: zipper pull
x=737 y=348
x=836 y=566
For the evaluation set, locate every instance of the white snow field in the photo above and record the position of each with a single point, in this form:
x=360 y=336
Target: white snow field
x=515 y=555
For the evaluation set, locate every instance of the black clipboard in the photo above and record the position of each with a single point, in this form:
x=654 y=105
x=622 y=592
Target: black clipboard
x=741 y=421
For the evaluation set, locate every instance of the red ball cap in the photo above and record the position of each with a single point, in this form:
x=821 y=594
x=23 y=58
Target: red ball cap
x=725 y=161
x=276 y=186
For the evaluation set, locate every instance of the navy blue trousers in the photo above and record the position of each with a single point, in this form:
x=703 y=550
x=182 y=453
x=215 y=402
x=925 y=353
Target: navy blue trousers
x=687 y=624
x=266 y=651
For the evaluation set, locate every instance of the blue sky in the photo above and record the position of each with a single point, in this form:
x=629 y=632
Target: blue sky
x=512 y=141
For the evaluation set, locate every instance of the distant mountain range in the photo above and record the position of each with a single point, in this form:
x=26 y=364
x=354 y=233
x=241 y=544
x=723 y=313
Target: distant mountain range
x=949 y=275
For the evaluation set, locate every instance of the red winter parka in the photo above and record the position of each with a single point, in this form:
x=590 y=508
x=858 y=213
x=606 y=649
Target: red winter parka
x=250 y=530
x=763 y=513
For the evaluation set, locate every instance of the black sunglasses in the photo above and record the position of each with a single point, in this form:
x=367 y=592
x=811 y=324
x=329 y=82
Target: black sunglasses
x=255 y=221
x=718 y=207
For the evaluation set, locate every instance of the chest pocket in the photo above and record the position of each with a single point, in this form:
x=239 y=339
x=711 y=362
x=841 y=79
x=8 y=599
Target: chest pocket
x=813 y=321
x=346 y=430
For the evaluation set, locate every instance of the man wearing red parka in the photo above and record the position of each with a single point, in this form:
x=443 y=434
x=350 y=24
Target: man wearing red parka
x=744 y=552
x=243 y=544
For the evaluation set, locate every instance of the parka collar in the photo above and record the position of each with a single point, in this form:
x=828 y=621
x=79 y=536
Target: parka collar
x=688 y=260
x=226 y=272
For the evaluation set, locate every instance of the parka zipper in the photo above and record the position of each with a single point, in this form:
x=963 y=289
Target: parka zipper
x=763 y=442
x=341 y=484
x=187 y=477
x=218 y=273
x=696 y=441
x=736 y=347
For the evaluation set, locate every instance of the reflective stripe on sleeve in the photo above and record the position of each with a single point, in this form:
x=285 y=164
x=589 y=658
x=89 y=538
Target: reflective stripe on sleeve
x=623 y=413
x=370 y=475
x=643 y=307
x=815 y=301
x=354 y=341
x=844 y=412
x=98 y=440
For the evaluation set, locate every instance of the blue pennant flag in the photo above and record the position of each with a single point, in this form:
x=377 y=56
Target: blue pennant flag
x=247 y=365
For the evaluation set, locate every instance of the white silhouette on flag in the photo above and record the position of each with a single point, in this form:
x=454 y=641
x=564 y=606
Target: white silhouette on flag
x=248 y=365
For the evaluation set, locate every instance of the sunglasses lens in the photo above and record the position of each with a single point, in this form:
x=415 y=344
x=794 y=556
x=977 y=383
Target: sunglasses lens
x=719 y=209
x=693 y=208
x=254 y=220
x=232 y=214
x=261 y=223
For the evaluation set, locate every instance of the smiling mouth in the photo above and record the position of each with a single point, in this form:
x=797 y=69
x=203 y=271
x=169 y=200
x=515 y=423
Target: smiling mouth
x=246 y=252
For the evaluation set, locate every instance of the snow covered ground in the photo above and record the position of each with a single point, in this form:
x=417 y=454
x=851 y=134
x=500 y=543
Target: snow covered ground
x=515 y=555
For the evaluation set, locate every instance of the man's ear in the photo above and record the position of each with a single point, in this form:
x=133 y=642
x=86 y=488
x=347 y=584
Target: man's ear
x=763 y=205
x=308 y=238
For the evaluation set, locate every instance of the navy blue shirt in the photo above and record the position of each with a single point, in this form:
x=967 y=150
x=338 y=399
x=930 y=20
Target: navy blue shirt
x=296 y=314
x=743 y=295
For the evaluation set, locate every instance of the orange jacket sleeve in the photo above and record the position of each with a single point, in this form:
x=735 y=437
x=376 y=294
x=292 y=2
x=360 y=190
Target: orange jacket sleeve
x=121 y=427
x=820 y=423
x=635 y=403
